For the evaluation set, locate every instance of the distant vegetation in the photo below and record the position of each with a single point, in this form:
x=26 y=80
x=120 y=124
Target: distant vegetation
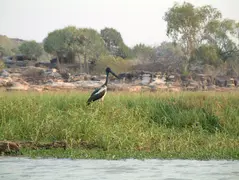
x=8 y=46
x=31 y=48
x=202 y=41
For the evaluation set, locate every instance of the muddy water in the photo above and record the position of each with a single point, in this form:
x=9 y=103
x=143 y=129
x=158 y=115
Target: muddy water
x=130 y=169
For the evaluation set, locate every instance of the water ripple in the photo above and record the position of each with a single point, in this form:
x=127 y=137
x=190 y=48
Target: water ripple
x=13 y=168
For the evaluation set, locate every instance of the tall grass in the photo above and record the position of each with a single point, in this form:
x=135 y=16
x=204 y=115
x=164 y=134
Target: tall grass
x=159 y=123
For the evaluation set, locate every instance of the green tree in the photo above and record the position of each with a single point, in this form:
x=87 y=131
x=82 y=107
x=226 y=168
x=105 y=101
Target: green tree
x=7 y=44
x=207 y=54
x=170 y=55
x=64 y=43
x=144 y=53
x=186 y=24
x=31 y=49
x=16 y=51
x=2 y=51
x=115 y=44
x=92 y=47
x=169 y=51
x=223 y=34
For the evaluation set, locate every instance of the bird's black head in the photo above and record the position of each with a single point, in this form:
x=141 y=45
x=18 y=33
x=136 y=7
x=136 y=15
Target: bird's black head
x=108 y=70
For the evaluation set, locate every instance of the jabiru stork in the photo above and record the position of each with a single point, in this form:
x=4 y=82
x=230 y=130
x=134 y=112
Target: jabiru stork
x=99 y=93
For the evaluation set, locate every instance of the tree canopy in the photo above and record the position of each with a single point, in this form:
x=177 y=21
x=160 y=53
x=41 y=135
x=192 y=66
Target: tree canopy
x=115 y=44
x=186 y=24
x=144 y=53
x=31 y=48
x=64 y=43
x=202 y=32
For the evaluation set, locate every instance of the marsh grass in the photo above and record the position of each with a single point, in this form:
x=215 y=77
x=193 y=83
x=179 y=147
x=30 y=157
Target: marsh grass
x=199 y=125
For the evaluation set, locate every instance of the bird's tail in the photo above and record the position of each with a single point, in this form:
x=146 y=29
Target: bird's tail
x=89 y=101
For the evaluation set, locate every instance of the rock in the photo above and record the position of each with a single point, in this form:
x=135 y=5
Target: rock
x=191 y=88
x=94 y=78
x=127 y=77
x=49 y=81
x=5 y=82
x=146 y=79
x=51 y=145
x=21 y=81
x=63 y=84
x=81 y=77
x=51 y=73
x=175 y=89
x=162 y=87
x=211 y=87
x=77 y=78
x=54 y=70
x=16 y=74
x=231 y=82
x=33 y=72
x=236 y=80
x=8 y=147
x=66 y=76
x=88 y=84
x=134 y=88
x=157 y=81
x=87 y=77
x=4 y=73
x=16 y=86
x=38 y=89
x=221 y=81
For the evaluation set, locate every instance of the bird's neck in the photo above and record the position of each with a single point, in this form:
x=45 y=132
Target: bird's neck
x=106 y=80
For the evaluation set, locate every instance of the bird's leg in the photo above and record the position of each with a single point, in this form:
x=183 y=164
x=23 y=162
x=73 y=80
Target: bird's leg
x=102 y=101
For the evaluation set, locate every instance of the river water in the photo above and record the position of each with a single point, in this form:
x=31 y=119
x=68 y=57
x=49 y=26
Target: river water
x=13 y=168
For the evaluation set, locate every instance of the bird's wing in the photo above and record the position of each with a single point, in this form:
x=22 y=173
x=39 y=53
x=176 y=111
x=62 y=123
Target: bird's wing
x=95 y=91
x=97 y=94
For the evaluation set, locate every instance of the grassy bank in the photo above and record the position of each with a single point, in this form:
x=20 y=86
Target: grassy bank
x=198 y=125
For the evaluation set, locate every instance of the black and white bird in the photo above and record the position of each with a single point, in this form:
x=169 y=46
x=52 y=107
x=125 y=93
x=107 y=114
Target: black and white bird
x=100 y=93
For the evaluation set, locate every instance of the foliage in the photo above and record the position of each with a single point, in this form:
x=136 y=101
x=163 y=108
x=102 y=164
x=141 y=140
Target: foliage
x=118 y=64
x=224 y=35
x=54 y=43
x=92 y=47
x=114 y=43
x=2 y=65
x=16 y=50
x=85 y=43
x=31 y=49
x=171 y=55
x=188 y=125
x=64 y=42
x=6 y=45
x=10 y=45
x=2 y=51
x=186 y=22
x=234 y=66
x=112 y=38
x=202 y=32
x=144 y=53
x=207 y=54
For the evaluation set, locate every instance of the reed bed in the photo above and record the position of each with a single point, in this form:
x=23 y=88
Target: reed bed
x=195 y=125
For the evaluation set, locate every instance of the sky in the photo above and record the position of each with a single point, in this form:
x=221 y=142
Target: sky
x=138 y=21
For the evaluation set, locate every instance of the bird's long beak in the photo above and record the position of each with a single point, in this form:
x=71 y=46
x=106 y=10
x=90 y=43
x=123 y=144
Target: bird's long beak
x=114 y=74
